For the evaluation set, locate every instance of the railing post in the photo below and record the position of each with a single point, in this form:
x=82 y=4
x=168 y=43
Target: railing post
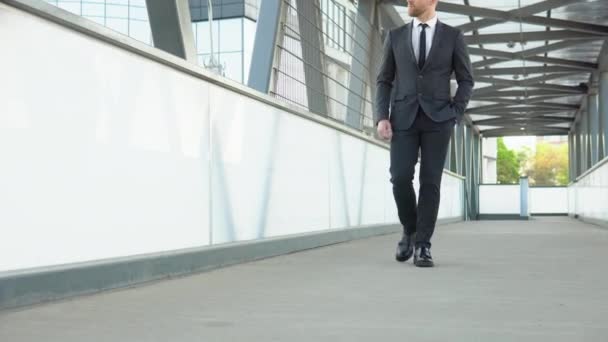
x=523 y=197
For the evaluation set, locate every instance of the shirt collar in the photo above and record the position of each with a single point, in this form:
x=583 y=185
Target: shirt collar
x=431 y=22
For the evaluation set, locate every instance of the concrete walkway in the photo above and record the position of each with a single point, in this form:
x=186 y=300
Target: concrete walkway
x=541 y=280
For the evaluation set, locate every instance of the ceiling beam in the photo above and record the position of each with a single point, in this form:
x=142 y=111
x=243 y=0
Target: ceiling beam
x=524 y=82
x=569 y=90
x=519 y=93
x=528 y=101
x=530 y=36
x=490 y=13
x=532 y=52
x=389 y=17
x=551 y=105
x=505 y=56
x=519 y=12
x=500 y=83
x=530 y=127
x=524 y=70
x=544 y=114
x=543 y=99
x=574 y=90
x=501 y=100
x=539 y=59
x=501 y=108
x=524 y=119
x=533 y=114
x=502 y=132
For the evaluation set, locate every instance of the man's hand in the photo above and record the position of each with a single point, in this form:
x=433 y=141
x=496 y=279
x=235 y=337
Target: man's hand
x=385 y=130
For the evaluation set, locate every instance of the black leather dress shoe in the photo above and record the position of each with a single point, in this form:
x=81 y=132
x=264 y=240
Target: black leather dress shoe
x=422 y=257
x=405 y=248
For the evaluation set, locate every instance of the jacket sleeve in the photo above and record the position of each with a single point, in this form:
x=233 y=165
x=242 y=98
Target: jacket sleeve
x=384 y=81
x=464 y=74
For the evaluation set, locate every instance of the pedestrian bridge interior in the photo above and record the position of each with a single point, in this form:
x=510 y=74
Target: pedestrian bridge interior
x=161 y=180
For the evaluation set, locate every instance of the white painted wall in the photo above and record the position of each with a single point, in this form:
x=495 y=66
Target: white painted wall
x=505 y=199
x=548 y=200
x=499 y=199
x=105 y=153
x=588 y=197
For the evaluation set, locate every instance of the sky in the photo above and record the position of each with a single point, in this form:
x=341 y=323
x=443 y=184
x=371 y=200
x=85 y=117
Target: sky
x=516 y=143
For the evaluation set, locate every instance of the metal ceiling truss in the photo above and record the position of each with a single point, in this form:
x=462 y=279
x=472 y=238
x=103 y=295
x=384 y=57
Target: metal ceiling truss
x=521 y=101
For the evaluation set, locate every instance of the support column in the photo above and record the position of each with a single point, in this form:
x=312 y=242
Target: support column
x=465 y=171
x=578 y=139
x=467 y=168
x=172 y=28
x=361 y=51
x=265 y=45
x=460 y=149
x=448 y=157
x=309 y=23
x=476 y=176
x=594 y=126
x=587 y=141
x=583 y=132
x=603 y=114
x=452 y=151
x=523 y=197
x=571 y=165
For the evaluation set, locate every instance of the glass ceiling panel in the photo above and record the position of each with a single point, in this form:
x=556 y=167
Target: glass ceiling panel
x=502 y=5
x=489 y=127
x=516 y=63
x=510 y=27
x=477 y=117
x=590 y=11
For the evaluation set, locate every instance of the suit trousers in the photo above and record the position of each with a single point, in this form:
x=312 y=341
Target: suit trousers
x=431 y=139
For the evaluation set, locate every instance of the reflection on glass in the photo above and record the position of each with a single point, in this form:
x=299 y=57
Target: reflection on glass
x=128 y=17
x=233 y=40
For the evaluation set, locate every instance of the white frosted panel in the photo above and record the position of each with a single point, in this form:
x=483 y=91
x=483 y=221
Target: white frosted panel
x=103 y=153
x=390 y=207
x=450 y=204
x=572 y=199
x=374 y=185
x=298 y=198
x=499 y=199
x=338 y=197
x=244 y=142
x=347 y=170
x=589 y=196
x=548 y=200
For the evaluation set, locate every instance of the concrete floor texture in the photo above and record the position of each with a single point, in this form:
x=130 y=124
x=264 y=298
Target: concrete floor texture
x=539 y=280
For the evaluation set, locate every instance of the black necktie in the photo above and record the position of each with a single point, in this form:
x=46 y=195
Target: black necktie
x=422 y=51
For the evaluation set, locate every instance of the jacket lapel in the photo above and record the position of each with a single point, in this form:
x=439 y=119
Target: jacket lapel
x=436 y=37
x=408 y=43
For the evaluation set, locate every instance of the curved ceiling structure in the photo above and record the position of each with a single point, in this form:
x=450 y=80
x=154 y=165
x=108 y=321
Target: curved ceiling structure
x=534 y=61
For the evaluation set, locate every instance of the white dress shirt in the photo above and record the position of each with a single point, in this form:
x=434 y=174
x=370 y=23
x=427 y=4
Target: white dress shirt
x=430 y=32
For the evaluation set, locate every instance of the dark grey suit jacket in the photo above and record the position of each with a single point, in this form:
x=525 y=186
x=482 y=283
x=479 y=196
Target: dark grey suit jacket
x=404 y=86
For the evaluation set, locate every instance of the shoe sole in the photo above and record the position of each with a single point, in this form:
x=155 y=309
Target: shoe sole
x=403 y=258
x=424 y=264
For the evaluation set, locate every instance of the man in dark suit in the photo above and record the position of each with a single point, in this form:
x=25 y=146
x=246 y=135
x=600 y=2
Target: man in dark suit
x=414 y=79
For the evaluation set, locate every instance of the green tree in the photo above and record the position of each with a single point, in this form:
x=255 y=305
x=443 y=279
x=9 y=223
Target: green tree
x=562 y=175
x=507 y=164
x=549 y=165
x=524 y=157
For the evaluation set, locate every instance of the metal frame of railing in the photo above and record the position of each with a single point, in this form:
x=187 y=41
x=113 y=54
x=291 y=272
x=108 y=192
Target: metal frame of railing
x=288 y=91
